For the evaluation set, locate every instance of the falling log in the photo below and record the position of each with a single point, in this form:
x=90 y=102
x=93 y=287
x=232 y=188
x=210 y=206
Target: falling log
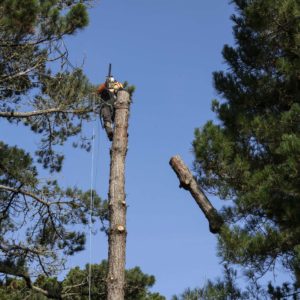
x=116 y=198
x=188 y=182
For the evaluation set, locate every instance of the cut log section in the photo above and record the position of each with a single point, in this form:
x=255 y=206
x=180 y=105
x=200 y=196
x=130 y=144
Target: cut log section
x=188 y=182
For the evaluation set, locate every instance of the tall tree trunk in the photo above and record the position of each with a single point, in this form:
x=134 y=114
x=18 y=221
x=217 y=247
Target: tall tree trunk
x=188 y=182
x=117 y=203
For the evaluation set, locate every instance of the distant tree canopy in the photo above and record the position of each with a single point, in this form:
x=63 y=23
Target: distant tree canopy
x=221 y=289
x=226 y=288
x=252 y=154
x=75 y=285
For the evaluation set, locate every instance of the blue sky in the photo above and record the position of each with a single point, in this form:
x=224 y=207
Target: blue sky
x=168 y=49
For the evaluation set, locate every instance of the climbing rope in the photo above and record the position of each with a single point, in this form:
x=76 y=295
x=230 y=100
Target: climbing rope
x=91 y=206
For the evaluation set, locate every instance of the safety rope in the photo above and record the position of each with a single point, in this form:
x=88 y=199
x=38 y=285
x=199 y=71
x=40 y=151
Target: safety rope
x=91 y=207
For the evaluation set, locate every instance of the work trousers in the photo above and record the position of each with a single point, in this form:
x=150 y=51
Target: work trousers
x=107 y=116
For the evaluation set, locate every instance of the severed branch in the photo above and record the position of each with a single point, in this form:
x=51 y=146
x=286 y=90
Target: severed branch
x=188 y=182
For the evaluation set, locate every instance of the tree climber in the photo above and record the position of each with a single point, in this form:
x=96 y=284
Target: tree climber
x=108 y=93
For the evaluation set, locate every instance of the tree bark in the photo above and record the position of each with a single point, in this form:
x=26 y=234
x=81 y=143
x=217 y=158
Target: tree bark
x=117 y=204
x=188 y=182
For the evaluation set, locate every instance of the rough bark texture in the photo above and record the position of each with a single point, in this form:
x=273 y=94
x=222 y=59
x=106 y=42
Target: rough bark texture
x=188 y=182
x=117 y=204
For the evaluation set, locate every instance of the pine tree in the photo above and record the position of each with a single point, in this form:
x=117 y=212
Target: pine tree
x=41 y=89
x=251 y=156
x=54 y=104
x=36 y=219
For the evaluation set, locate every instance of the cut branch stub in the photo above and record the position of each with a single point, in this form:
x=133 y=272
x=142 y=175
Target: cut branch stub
x=188 y=182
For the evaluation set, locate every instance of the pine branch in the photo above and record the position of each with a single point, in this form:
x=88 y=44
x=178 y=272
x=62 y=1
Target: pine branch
x=35 y=113
x=25 y=193
x=10 y=248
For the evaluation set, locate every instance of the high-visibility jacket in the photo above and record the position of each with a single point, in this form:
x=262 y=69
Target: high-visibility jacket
x=115 y=87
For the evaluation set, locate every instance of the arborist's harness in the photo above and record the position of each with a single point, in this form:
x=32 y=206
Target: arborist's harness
x=107 y=92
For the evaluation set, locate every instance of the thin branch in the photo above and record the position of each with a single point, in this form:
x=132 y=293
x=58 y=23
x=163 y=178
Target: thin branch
x=66 y=289
x=22 y=248
x=23 y=192
x=42 y=265
x=3 y=212
x=21 y=73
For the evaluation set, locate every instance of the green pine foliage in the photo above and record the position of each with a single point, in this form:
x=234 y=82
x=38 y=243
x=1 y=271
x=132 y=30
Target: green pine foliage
x=36 y=217
x=40 y=221
x=226 y=288
x=220 y=289
x=75 y=285
x=136 y=287
x=252 y=155
x=37 y=75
